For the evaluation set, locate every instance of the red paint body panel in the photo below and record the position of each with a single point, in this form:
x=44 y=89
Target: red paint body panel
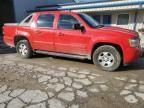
x=73 y=41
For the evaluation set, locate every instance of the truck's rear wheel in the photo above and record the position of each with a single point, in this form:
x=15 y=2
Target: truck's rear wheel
x=107 y=58
x=24 y=49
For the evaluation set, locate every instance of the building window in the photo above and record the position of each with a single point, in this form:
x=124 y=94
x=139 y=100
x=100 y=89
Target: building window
x=123 y=19
x=102 y=19
x=106 y=19
x=97 y=18
x=46 y=20
x=67 y=22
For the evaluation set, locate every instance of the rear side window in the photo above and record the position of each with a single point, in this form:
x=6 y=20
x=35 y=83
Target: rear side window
x=67 y=21
x=46 y=20
x=27 y=20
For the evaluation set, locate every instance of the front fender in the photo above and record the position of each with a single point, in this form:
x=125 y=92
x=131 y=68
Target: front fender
x=99 y=42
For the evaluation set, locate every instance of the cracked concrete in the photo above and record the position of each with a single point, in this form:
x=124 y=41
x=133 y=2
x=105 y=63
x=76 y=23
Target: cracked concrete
x=64 y=88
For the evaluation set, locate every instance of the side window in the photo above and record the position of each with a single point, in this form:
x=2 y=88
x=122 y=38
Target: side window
x=27 y=20
x=97 y=18
x=123 y=19
x=46 y=20
x=66 y=21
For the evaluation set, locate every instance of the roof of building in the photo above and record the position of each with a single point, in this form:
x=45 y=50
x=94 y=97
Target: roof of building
x=85 y=2
x=103 y=6
x=75 y=2
x=99 y=5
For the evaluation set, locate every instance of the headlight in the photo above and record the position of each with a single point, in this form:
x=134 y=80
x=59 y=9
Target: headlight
x=134 y=42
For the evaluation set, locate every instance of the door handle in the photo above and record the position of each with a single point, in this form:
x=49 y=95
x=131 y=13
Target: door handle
x=60 y=34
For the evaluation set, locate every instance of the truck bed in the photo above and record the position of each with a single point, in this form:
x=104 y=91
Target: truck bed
x=11 y=24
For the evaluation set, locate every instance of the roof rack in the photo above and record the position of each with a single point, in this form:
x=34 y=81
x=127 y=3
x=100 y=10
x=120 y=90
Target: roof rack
x=37 y=10
x=45 y=8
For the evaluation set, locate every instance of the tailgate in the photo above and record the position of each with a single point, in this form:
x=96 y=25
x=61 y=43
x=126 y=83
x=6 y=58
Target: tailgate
x=9 y=31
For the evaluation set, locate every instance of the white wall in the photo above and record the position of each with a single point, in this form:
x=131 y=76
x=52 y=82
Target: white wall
x=140 y=20
x=131 y=20
x=140 y=24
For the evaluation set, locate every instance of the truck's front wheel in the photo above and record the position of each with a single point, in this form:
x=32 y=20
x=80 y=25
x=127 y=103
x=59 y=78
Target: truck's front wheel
x=24 y=49
x=107 y=58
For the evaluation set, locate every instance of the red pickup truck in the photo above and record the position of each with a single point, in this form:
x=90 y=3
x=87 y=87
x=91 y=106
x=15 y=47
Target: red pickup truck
x=74 y=35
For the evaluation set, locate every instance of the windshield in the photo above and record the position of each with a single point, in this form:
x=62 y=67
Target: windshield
x=89 y=20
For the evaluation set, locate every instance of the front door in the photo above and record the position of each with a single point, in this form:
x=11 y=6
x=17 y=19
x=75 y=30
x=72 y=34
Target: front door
x=69 y=40
x=44 y=33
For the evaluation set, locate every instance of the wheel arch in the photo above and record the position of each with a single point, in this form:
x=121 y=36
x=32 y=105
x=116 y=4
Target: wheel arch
x=20 y=37
x=118 y=47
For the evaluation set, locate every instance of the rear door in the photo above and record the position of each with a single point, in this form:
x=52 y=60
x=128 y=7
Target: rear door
x=44 y=33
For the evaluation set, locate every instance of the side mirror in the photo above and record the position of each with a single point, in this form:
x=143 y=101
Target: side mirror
x=78 y=27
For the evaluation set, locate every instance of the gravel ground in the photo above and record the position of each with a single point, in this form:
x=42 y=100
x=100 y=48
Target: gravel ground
x=54 y=82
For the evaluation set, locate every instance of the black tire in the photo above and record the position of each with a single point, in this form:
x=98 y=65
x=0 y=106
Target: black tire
x=107 y=58
x=28 y=50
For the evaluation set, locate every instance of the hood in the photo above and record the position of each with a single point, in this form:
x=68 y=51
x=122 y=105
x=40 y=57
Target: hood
x=119 y=30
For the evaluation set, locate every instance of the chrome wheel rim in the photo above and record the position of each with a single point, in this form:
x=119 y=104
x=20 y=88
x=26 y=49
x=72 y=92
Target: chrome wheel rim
x=106 y=59
x=23 y=50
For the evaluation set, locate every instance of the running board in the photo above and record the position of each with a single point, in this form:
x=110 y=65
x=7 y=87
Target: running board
x=62 y=54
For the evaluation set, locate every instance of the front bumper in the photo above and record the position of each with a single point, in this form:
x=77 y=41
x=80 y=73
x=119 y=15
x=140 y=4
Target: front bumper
x=132 y=54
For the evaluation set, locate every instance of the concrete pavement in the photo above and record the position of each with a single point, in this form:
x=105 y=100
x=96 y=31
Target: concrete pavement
x=55 y=83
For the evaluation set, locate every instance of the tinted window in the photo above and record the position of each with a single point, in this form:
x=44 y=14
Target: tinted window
x=123 y=19
x=67 y=22
x=28 y=19
x=96 y=18
x=89 y=20
x=46 y=20
x=107 y=19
